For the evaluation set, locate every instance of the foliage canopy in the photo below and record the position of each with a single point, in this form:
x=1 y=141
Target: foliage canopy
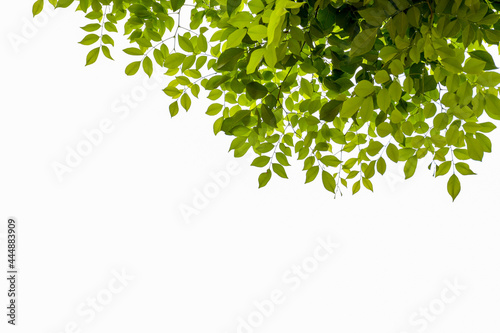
x=347 y=85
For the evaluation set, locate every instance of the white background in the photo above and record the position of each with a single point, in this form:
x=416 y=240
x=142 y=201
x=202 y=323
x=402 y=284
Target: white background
x=119 y=210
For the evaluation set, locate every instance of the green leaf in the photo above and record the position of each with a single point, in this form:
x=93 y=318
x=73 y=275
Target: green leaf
x=410 y=167
x=228 y=59
x=381 y=166
x=235 y=38
x=133 y=51
x=387 y=53
x=441 y=121
x=382 y=77
x=374 y=148
x=492 y=106
x=328 y=181
x=356 y=187
x=37 y=7
x=132 y=68
x=89 y=39
x=174 y=60
x=364 y=88
x=92 y=56
x=257 y=32
x=330 y=160
x=255 y=59
x=486 y=57
x=443 y=168
x=395 y=91
x=147 y=65
x=363 y=42
x=330 y=110
x=110 y=27
x=231 y=122
x=384 y=129
x=474 y=148
x=312 y=173
x=106 y=52
x=64 y=3
x=256 y=90
x=453 y=186
x=214 y=109
x=264 y=178
x=474 y=66
x=186 y=101
x=232 y=5
x=281 y=158
x=261 y=161
x=464 y=169
x=91 y=27
x=185 y=43
x=177 y=4
x=279 y=170
x=268 y=116
x=393 y=153
x=173 y=108
x=368 y=184
x=351 y=106
x=489 y=79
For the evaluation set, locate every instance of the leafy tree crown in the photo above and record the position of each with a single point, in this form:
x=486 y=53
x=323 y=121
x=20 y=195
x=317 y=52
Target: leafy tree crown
x=347 y=86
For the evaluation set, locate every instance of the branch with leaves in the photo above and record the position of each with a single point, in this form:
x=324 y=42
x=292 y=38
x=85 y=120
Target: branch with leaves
x=360 y=77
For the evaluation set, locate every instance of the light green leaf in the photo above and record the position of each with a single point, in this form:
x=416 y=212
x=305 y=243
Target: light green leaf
x=147 y=65
x=106 y=52
x=474 y=148
x=363 y=42
x=37 y=7
x=443 y=168
x=173 y=108
x=367 y=184
x=279 y=170
x=330 y=160
x=312 y=173
x=453 y=186
x=132 y=68
x=214 y=109
x=235 y=38
x=364 y=88
x=174 y=60
x=92 y=56
x=492 y=106
x=255 y=59
x=464 y=169
x=410 y=167
x=261 y=161
x=185 y=44
x=257 y=32
x=381 y=166
x=328 y=181
x=382 y=76
x=393 y=153
x=186 y=101
x=351 y=106
x=89 y=39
